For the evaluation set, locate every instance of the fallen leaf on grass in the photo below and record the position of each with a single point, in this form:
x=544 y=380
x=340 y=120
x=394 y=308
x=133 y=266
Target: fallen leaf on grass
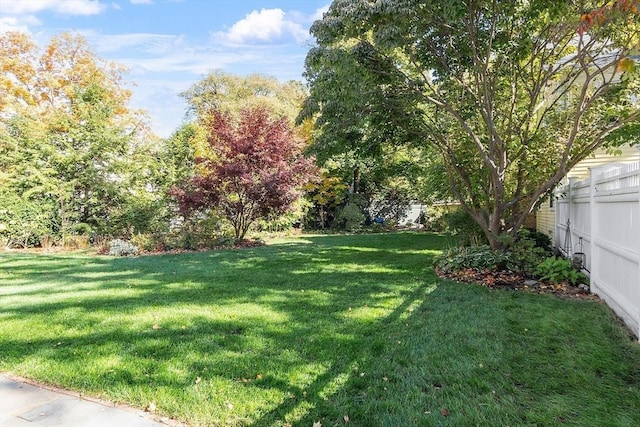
x=445 y=412
x=317 y=424
x=346 y=418
x=228 y=404
x=198 y=379
x=151 y=407
x=155 y=326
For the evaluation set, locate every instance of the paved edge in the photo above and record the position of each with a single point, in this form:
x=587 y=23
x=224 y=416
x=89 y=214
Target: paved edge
x=82 y=397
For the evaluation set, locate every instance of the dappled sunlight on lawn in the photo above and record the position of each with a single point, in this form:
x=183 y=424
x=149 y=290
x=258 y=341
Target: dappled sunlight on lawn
x=356 y=326
x=286 y=322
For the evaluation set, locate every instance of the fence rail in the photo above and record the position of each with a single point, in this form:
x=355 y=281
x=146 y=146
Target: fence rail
x=598 y=220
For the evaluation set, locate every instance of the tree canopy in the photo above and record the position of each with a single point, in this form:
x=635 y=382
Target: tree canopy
x=67 y=136
x=510 y=94
x=256 y=169
x=233 y=94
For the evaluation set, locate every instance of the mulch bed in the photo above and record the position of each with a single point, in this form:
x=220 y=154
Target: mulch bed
x=516 y=282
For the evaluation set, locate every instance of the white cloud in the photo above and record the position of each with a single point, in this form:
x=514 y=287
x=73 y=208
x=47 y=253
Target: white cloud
x=161 y=100
x=320 y=12
x=64 y=7
x=144 y=43
x=11 y=23
x=141 y=1
x=264 y=26
x=191 y=62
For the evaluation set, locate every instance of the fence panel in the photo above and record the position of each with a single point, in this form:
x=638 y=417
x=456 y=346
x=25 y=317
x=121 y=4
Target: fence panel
x=600 y=217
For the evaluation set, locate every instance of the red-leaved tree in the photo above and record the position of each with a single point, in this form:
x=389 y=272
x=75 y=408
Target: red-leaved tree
x=255 y=171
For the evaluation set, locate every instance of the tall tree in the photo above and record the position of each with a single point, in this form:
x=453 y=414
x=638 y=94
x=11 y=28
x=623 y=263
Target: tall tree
x=511 y=94
x=256 y=170
x=66 y=130
x=232 y=93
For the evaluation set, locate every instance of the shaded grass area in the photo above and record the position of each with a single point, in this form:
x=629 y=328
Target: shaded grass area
x=324 y=328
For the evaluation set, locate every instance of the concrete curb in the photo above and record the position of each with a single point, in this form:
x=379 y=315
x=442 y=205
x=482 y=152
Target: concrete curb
x=24 y=403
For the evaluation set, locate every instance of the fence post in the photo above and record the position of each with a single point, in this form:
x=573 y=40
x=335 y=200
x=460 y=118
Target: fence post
x=568 y=236
x=556 y=224
x=594 y=270
x=638 y=249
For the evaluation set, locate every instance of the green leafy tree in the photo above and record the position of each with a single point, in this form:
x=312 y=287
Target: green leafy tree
x=233 y=94
x=67 y=136
x=509 y=94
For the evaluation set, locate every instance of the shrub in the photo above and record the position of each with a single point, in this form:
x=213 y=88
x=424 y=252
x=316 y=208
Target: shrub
x=47 y=241
x=74 y=241
x=466 y=229
x=479 y=257
x=540 y=240
x=433 y=219
x=525 y=252
x=101 y=244
x=350 y=217
x=24 y=220
x=148 y=242
x=377 y=228
x=119 y=247
x=559 y=270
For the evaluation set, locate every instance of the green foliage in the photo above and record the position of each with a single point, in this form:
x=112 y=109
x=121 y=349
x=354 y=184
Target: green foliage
x=24 y=221
x=231 y=93
x=146 y=242
x=350 y=217
x=391 y=203
x=520 y=255
x=478 y=257
x=465 y=228
x=118 y=247
x=559 y=270
x=75 y=241
x=71 y=151
x=526 y=251
x=196 y=233
x=326 y=195
x=501 y=98
x=540 y=239
x=434 y=219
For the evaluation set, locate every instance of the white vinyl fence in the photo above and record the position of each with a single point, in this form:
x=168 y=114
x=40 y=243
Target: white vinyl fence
x=598 y=223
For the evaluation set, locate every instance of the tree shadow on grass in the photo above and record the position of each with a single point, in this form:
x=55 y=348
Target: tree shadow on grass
x=310 y=295
x=356 y=326
x=317 y=401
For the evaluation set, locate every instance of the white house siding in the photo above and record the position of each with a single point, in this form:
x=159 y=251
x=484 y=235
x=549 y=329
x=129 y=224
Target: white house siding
x=546 y=219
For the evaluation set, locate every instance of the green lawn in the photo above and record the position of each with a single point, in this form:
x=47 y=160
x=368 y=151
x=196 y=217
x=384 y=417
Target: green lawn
x=353 y=330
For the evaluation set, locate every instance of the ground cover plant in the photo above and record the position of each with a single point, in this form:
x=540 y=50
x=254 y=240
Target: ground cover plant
x=314 y=330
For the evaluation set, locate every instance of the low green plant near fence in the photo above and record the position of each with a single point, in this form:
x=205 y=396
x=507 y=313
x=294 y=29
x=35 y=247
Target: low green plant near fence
x=558 y=270
x=528 y=255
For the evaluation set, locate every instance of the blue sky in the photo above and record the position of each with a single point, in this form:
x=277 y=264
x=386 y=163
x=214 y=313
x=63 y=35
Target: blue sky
x=170 y=44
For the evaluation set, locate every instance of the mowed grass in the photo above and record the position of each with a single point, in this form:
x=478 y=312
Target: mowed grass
x=341 y=330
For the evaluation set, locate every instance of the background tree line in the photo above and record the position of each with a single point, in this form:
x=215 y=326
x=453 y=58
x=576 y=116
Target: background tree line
x=77 y=165
x=488 y=103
